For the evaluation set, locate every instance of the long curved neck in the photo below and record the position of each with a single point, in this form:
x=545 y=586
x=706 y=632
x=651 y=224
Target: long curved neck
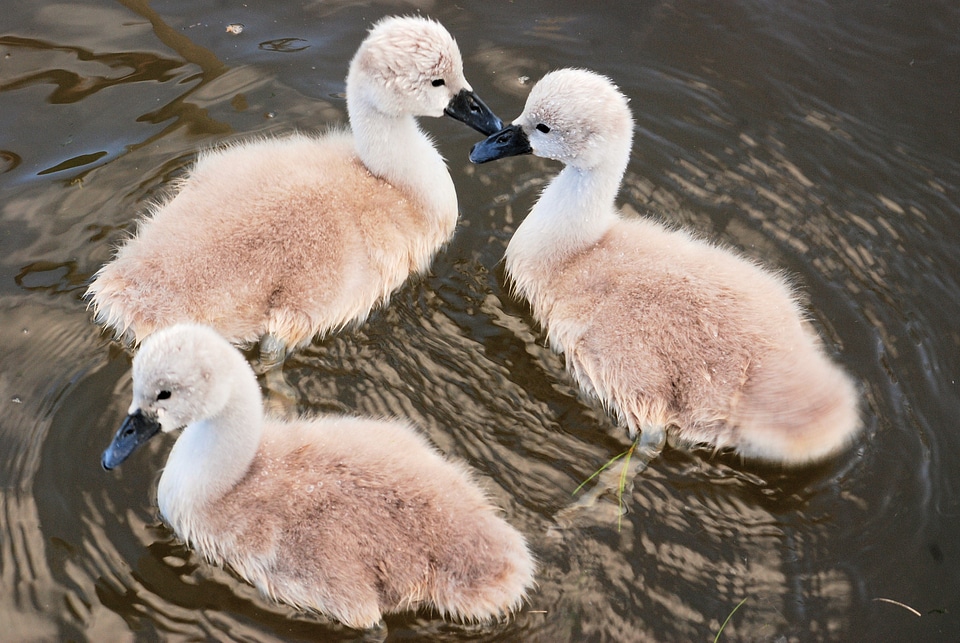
x=211 y=456
x=575 y=210
x=394 y=148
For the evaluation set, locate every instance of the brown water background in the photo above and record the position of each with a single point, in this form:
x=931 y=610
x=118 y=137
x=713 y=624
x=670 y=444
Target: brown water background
x=819 y=138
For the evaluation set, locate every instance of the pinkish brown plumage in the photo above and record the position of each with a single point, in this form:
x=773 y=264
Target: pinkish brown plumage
x=671 y=333
x=350 y=517
x=282 y=236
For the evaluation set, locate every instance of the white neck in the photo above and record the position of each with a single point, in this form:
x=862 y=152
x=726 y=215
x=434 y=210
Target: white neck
x=575 y=210
x=394 y=148
x=212 y=455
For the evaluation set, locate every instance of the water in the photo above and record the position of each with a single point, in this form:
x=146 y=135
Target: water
x=818 y=138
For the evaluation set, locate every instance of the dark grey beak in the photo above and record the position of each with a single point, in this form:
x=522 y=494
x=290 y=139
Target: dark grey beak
x=510 y=141
x=135 y=430
x=467 y=108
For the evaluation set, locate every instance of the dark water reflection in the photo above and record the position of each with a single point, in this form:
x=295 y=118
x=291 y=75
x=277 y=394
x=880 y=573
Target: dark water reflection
x=819 y=138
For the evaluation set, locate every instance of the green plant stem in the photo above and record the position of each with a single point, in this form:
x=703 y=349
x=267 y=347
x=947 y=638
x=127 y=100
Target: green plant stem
x=729 y=616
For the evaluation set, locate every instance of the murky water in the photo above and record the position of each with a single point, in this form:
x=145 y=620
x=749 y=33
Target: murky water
x=819 y=138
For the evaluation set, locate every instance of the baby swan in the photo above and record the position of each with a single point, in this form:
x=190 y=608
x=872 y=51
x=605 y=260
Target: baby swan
x=290 y=238
x=672 y=333
x=350 y=517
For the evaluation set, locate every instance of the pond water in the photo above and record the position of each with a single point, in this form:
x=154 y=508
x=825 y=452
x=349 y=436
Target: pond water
x=819 y=138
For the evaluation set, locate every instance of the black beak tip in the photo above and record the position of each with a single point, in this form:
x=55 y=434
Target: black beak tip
x=135 y=430
x=467 y=108
x=509 y=141
x=478 y=155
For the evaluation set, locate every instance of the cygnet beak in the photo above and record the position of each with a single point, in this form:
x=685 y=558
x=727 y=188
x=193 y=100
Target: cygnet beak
x=510 y=141
x=467 y=108
x=135 y=430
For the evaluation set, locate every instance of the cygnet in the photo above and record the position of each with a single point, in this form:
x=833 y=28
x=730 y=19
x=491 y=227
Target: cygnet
x=680 y=338
x=347 y=516
x=285 y=239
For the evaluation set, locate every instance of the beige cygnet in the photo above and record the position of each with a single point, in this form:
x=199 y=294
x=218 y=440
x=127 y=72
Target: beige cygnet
x=291 y=238
x=670 y=332
x=350 y=517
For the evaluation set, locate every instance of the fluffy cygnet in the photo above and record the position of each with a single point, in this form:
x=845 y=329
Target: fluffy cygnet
x=350 y=517
x=289 y=238
x=670 y=332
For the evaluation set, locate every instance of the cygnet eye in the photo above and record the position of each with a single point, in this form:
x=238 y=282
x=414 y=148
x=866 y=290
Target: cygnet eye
x=543 y=128
x=163 y=395
x=438 y=82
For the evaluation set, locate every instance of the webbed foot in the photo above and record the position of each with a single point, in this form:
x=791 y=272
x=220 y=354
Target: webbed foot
x=615 y=478
x=281 y=398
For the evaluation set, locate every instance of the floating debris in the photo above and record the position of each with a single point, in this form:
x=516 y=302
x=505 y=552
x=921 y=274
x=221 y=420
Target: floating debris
x=899 y=604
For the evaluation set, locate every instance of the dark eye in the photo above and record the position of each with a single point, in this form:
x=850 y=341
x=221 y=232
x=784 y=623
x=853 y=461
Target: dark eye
x=438 y=82
x=163 y=395
x=543 y=128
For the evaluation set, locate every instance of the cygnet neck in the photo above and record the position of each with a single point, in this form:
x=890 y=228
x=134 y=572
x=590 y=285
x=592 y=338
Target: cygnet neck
x=212 y=455
x=575 y=210
x=394 y=148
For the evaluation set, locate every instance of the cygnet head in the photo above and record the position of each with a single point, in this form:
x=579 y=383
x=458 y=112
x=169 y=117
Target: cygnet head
x=574 y=116
x=181 y=375
x=412 y=66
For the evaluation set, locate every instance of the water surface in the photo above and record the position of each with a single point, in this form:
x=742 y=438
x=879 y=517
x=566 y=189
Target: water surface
x=818 y=138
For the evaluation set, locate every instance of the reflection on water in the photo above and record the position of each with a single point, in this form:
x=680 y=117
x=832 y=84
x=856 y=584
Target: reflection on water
x=817 y=139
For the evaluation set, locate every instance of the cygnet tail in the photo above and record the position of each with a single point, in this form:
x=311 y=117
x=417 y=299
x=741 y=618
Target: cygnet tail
x=115 y=304
x=808 y=412
x=495 y=576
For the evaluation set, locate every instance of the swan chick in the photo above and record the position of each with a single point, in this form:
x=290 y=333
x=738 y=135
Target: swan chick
x=347 y=516
x=680 y=338
x=291 y=238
